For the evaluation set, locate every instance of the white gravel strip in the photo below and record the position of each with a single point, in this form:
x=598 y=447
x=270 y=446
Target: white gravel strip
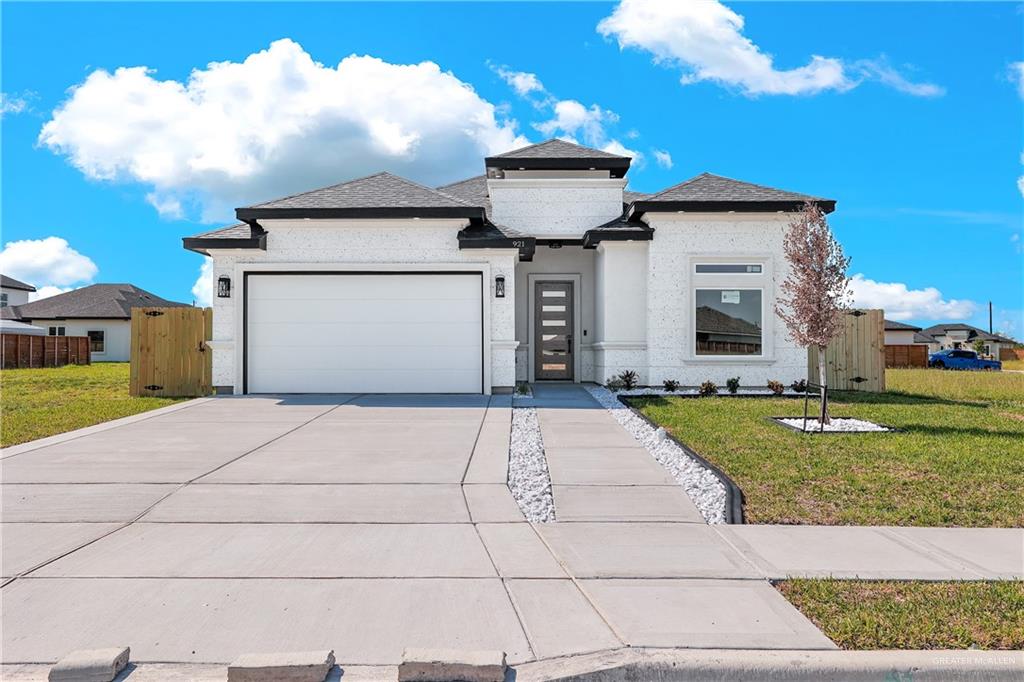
x=835 y=425
x=722 y=391
x=528 y=476
x=699 y=482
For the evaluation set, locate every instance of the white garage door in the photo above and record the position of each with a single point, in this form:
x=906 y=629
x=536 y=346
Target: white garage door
x=364 y=333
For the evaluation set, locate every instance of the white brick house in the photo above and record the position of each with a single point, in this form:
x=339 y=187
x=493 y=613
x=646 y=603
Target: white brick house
x=543 y=268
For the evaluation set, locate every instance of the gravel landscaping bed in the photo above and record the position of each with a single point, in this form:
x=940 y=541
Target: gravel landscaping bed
x=528 y=476
x=699 y=482
x=836 y=425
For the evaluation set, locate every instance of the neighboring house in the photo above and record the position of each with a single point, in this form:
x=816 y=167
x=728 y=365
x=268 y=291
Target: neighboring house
x=901 y=334
x=8 y=326
x=542 y=268
x=100 y=311
x=13 y=292
x=959 y=335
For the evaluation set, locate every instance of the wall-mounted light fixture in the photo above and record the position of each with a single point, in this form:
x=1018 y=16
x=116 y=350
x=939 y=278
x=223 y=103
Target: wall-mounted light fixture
x=499 y=287
x=554 y=245
x=223 y=287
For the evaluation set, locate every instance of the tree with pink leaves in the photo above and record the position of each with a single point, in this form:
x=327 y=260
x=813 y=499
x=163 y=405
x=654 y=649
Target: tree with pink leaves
x=816 y=291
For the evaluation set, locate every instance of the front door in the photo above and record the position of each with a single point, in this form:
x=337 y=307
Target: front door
x=553 y=331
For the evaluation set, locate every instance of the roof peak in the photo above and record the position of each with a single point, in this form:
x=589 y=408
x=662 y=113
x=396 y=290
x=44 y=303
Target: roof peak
x=560 y=147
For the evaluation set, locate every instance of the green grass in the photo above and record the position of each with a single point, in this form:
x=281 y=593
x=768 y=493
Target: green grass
x=913 y=615
x=958 y=459
x=35 y=403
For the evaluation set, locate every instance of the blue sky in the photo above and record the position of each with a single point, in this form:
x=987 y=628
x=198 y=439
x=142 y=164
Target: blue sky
x=909 y=115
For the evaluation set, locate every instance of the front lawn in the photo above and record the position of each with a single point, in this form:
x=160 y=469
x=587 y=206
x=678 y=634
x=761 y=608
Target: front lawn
x=958 y=459
x=35 y=403
x=913 y=615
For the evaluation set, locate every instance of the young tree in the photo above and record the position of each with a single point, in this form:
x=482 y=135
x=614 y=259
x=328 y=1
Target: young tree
x=816 y=291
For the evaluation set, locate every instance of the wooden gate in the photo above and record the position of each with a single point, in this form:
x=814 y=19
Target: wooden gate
x=169 y=353
x=855 y=360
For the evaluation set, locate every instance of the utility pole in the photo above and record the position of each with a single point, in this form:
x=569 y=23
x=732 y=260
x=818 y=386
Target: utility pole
x=990 y=317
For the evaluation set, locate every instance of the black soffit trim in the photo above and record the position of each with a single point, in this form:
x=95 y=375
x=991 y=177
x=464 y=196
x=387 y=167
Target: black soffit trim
x=617 y=167
x=591 y=238
x=199 y=244
x=638 y=208
x=249 y=214
x=484 y=292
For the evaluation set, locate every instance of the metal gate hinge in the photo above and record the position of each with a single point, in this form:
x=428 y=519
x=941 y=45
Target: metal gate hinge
x=154 y=313
x=153 y=387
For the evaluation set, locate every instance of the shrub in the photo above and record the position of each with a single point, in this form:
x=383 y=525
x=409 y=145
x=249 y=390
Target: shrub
x=799 y=386
x=733 y=384
x=708 y=388
x=614 y=384
x=629 y=379
x=671 y=385
x=776 y=387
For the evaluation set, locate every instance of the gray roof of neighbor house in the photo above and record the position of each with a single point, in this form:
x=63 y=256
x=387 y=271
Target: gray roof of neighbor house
x=709 y=192
x=921 y=337
x=972 y=332
x=894 y=326
x=381 y=195
x=11 y=283
x=94 y=301
x=558 y=154
x=714 y=321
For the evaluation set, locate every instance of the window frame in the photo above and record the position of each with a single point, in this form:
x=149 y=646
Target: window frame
x=55 y=330
x=103 y=341
x=734 y=281
x=3 y=299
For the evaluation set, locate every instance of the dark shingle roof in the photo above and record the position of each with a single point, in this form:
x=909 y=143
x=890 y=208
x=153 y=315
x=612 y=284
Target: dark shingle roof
x=973 y=332
x=239 y=231
x=713 y=321
x=629 y=196
x=557 y=149
x=11 y=283
x=716 y=193
x=894 y=326
x=471 y=190
x=921 y=337
x=10 y=312
x=94 y=301
x=380 y=190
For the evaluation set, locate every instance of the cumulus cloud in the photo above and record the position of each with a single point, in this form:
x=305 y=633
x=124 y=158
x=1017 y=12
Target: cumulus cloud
x=522 y=82
x=49 y=262
x=202 y=290
x=705 y=41
x=662 y=158
x=902 y=303
x=573 y=119
x=11 y=103
x=277 y=122
x=47 y=291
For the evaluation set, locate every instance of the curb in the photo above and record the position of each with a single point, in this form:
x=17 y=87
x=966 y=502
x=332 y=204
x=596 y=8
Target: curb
x=733 y=494
x=710 y=665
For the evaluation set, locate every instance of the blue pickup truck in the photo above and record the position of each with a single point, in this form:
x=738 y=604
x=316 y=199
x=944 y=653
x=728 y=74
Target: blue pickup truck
x=961 y=359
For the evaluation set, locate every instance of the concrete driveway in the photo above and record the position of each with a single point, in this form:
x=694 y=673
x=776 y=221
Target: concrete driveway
x=365 y=524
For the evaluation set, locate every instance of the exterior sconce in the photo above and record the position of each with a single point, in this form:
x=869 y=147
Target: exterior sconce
x=499 y=287
x=223 y=287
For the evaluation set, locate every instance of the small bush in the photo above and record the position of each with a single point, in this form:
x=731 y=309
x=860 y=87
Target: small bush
x=708 y=388
x=733 y=384
x=799 y=386
x=671 y=385
x=522 y=388
x=776 y=387
x=629 y=379
x=614 y=384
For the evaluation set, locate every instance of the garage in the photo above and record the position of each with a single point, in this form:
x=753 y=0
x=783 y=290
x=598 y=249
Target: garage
x=363 y=332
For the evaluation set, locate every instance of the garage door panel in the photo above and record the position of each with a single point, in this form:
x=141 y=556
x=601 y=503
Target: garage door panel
x=379 y=311
x=408 y=333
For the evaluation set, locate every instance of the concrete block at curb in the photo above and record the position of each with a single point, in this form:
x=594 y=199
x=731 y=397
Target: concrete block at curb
x=295 y=666
x=446 y=665
x=90 y=665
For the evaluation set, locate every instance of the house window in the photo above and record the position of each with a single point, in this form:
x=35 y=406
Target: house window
x=57 y=331
x=96 y=341
x=3 y=300
x=728 y=321
x=728 y=269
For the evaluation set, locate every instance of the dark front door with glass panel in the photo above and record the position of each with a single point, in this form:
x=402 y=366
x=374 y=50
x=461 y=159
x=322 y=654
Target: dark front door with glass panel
x=553 y=332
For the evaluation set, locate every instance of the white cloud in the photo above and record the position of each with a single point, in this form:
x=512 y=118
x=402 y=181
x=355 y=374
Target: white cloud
x=704 y=39
x=572 y=118
x=168 y=207
x=616 y=147
x=203 y=288
x=521 y=81
x=903 y=303
x=275 y=123
x=1015 y=72
x=15 y=103
x=47 y=291
x=662 y=158
x=46 y=262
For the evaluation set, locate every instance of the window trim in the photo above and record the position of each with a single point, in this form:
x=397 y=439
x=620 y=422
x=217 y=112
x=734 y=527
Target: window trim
x=3 y=299
x=746 y=262
x=55 y=330
x=763 y=281
x=103 y=341
x=707 y=356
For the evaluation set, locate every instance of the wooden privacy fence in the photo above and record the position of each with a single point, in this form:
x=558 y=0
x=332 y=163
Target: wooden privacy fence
x=28 y=350
x=1011 y=354
x=906 y=355
x=855 y=361
x=169 y=354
